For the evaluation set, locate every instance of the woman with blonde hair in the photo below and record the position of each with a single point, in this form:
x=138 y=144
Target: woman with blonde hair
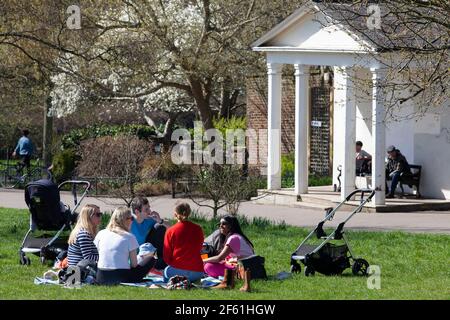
x=182 y=245
x=81 y=240
x=117 y=249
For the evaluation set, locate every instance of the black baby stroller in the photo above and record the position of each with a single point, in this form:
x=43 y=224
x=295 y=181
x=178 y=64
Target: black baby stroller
x=48 y=214
x=328 y=257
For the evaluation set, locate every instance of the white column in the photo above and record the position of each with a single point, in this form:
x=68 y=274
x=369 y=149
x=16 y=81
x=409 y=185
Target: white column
x=378 y=139
x=274 y=127
x=301 y=128
x=349 y=165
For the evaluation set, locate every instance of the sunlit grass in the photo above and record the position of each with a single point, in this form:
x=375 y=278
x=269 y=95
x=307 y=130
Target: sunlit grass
x=413 y=266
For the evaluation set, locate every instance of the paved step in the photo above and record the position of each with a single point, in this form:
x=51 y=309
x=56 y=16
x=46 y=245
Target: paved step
x=287 y=198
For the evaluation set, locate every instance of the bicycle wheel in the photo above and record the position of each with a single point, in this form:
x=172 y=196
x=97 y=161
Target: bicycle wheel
x=9 y=178
x=34 y=175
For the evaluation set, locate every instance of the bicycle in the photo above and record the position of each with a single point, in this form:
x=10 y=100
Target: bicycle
x=12 y=176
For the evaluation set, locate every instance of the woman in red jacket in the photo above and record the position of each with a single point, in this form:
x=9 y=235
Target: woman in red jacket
x=182 y=245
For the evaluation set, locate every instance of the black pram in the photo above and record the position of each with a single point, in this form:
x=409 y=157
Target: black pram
x=330 y=257
x=49 y=214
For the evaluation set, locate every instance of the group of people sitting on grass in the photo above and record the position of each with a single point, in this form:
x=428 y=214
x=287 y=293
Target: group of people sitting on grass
x=138 y=240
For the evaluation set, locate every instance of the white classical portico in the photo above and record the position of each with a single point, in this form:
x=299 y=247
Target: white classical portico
x=304 y=39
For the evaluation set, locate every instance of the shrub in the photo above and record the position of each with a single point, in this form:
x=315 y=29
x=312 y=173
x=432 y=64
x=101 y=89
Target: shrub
x=288 y=174
x=287 y=170
x=64 y=163
x=153 y=188
x=162 y=167
x=105 y=220
x=118 y=159
x=74 y=137
x=223 y=124
x=225 y=186
x=320 y=181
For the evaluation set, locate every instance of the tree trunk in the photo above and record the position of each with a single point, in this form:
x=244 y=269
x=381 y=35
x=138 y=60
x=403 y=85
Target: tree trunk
x=48 y=131
x=215 y=209
x=229 y=100
x=168 y=129
x=202 y=103
x=226 y=101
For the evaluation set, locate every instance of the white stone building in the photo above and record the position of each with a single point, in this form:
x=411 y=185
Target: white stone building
x=309 y=37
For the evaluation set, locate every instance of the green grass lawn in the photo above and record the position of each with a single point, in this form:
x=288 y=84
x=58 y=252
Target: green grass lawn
x=413 y=266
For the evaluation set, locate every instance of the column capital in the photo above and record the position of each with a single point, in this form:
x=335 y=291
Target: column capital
x=274 y=68
x=348 y=71
x=378 y=72
x=301 y=69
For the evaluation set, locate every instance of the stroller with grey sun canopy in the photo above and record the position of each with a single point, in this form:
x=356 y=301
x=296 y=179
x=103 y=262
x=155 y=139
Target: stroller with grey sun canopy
x=333 y=254
x=49 y=218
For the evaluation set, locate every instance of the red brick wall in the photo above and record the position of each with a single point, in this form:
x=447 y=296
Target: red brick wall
x=319 y=153
x=257 y=114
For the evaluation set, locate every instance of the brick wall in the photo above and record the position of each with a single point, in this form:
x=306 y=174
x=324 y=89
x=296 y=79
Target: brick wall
x=257 y=119
x=257 y=115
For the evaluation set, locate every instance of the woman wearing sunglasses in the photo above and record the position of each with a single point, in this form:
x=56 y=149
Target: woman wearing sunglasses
x=117 y=249
x=81 y=240
x=235 y=246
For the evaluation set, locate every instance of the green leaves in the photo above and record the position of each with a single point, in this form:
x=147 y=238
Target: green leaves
x=73 y=138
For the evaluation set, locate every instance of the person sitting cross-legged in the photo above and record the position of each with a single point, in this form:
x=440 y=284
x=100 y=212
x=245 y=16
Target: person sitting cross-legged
x=81 y=240
x=148 y=227
x=182 y=245
x=236 y=246
x=117 y=249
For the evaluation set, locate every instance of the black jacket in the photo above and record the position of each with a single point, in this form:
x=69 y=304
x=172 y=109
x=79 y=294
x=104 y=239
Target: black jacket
x=398 y=164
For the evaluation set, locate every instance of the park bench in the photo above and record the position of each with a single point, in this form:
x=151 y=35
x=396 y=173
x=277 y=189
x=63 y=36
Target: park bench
x=412 y=179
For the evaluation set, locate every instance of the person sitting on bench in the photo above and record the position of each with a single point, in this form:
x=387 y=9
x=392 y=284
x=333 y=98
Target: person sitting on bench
x=363 y=160
x=396 y=166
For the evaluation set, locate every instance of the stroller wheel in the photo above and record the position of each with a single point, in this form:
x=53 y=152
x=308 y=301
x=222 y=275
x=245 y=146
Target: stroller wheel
x=43 y=260
x=309 y=271
x=360 y=267
x=24 y=260
x=295 y=267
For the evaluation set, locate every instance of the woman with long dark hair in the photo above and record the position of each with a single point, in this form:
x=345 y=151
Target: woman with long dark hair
x=236 y=246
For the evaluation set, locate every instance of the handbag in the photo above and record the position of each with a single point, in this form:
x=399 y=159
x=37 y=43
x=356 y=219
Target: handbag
x=256 y=266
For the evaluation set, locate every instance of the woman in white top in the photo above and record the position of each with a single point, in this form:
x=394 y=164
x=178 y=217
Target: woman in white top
x=117 y=249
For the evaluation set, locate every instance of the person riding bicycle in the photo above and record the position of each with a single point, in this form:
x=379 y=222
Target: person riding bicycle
x=24 y=150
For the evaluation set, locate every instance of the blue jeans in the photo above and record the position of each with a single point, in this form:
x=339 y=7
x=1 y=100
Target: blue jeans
x=395 y=177
x=193 y=276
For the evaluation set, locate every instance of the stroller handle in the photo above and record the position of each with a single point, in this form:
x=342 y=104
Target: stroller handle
x=76 y=182
x=362 y=191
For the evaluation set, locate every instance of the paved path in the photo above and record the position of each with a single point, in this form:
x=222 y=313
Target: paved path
x=431 y=222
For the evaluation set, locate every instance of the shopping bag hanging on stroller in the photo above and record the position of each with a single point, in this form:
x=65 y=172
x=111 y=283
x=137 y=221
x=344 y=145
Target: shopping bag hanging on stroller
x=328 y=257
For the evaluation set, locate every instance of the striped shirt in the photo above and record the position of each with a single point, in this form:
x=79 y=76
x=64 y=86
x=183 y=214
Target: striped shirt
x=82 y=248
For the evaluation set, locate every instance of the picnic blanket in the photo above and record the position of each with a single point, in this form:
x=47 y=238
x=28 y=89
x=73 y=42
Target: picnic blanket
x=155 y=282
x=151 y=281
